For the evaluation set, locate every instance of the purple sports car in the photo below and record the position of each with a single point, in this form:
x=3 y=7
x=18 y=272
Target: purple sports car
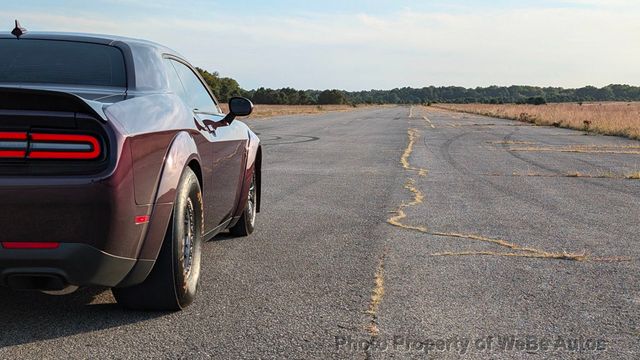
x=116 y=164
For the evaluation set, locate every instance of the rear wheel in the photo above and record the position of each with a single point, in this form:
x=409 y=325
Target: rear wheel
x=173 y=282
x=247 y=222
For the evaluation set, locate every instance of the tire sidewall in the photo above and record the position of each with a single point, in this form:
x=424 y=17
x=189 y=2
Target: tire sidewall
x=186 y=286
x=251 y=219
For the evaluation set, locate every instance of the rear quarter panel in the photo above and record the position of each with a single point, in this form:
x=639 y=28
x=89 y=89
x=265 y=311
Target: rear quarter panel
x=151 y=124
x=162 y=137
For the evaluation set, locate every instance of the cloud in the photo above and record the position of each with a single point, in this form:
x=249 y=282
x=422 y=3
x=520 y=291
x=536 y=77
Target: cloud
x=602 y=3
x=539 y=46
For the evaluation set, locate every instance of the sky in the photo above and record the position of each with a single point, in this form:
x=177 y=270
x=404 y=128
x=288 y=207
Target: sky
x=371 y=44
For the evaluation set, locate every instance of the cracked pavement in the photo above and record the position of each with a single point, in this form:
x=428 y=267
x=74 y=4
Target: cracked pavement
x=302 y=285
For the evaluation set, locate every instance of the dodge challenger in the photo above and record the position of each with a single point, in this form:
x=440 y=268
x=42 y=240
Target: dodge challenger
x=116 y=164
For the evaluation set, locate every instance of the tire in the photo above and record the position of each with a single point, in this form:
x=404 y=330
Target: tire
x=247 y=222
x=173 y=282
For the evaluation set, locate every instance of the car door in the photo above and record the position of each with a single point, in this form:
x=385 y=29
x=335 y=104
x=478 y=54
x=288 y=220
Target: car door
x=223 y=158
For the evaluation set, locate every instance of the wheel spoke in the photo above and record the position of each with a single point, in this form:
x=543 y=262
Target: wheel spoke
x=251 y=204
x=188 y=238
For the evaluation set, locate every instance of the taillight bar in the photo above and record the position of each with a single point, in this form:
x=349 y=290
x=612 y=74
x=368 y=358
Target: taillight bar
x=57 y=149
x=18 y=145
x=13 y=136
x=12 y=154
x=13 y=145
x=13 y=245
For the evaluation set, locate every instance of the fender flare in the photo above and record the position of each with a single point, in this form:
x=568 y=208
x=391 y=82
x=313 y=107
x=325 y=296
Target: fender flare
x=259 y=178
x=182 y=152
x=253 y=164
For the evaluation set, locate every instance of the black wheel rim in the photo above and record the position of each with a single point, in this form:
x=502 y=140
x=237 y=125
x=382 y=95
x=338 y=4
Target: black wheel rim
x=251 y=203
x=188 y=238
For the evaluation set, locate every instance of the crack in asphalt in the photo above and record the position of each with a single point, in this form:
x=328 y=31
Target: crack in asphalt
x=429 y=122
x=537 y=164
x=574 y=174
x=520 y=251
x=574 y=150
x=404 y=159
x=377 y=294
x=398 y=219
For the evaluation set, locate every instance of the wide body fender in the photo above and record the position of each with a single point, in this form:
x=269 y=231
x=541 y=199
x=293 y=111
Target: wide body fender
x=181 y=154
x=253 y=165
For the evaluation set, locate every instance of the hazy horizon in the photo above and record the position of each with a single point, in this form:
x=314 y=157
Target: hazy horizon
x=379 y=44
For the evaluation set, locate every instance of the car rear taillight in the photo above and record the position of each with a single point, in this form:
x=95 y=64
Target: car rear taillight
x=13 y=145
x=12 y=245
x=63 y=146
x=20 y=145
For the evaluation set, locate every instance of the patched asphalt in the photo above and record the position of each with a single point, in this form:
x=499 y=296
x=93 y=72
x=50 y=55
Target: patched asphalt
x=301 y=286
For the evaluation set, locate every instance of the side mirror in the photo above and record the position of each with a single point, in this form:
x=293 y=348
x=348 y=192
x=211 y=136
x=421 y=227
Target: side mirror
x=238 y=106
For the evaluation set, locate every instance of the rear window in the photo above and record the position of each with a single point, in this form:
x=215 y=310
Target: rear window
x=61 y=62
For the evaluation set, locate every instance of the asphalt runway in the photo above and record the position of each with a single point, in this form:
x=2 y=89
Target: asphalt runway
x=394 y=232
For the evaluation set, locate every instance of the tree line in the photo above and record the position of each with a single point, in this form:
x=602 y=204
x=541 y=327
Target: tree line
x=225 y=88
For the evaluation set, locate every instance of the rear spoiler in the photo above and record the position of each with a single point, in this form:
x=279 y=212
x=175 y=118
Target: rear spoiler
x=13 y=98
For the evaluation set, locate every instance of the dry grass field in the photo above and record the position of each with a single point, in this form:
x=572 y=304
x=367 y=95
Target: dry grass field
x=609 y=118
x=264 y=111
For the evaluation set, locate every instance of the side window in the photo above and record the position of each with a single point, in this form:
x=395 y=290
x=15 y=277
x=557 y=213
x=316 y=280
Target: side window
x=196 y=95
x=175 y=84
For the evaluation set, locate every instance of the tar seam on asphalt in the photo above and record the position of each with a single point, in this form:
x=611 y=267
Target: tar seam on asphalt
x=520 y=251
x=429 y=122
x=574 y=174
x=377 y=294
x=585 y=150
x=404 y=159
x=510 y=142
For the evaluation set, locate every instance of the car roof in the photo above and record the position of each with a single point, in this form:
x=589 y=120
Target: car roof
x=141 y=55
x=91 y=38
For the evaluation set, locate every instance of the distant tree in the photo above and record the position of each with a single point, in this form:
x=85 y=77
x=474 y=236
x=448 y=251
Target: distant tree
x=304 y=98
x=537 y=100
x=587 y=93
x=333 y=97
x=269 y=97
x=224 y=88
